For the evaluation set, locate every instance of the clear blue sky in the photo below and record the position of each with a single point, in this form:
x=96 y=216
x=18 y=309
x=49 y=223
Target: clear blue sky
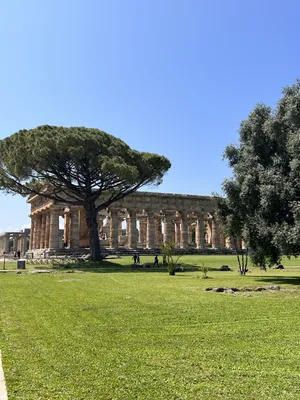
x=167 y=76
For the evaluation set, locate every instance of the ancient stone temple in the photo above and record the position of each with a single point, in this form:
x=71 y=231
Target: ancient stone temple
x=140 y=220
x=12 y=242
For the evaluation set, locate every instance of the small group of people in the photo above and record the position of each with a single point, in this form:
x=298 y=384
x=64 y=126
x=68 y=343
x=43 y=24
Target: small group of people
x=156 y=261
x=136 y=258
x=17 y=254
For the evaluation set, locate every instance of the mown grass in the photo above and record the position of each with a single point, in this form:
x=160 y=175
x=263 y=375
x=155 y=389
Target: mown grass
x=127 y=334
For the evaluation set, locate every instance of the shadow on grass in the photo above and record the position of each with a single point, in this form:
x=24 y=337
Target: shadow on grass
x=105 y=266
x=108 y=266
x=281 y=280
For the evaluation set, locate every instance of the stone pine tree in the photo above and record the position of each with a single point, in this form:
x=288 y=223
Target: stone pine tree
x=78 y=166
x=266 y=173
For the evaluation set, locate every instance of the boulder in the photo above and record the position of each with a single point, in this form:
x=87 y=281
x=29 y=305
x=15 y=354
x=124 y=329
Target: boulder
x=275 y=287
x=279 y=266
x=218 y=290
x=224 y=268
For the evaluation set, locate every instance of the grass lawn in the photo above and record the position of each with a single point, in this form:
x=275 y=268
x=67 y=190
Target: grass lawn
x=123 y=334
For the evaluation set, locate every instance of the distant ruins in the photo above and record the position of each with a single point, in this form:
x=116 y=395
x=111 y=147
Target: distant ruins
x=12 y=242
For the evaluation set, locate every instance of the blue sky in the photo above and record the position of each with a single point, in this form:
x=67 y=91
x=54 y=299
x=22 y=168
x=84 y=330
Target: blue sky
x=167 y=76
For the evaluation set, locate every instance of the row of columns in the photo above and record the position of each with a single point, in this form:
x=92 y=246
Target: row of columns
x=44 y=231
x=19 y=243
x=177 y=228
x=150 y=231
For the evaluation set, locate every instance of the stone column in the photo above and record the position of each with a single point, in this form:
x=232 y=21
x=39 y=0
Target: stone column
x=6 y=244
x=120 y=227
x=38 y=231
x=232 y=243
x=128 y=230
x=150 y=230
x=239 y=243
x=24 y=245
x=132 y=242
x=200 y=239
x=54 y=229
x=190 y=232
x=31 y=234
x=168 y=226
x=158 y=235
x=215 y=235
x=47 y=231
x=222 y=240
x=114 y=220
x=143 y=231
x=100 y=225
x=74 y=236
x=177 y=236
x=43 y=231
x=209 y=231
x=184 y=231
x=67 y=223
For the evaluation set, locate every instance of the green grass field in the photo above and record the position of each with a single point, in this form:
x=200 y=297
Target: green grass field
x=117 y=333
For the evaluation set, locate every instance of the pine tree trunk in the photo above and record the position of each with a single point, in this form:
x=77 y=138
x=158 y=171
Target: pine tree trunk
x=92 y=224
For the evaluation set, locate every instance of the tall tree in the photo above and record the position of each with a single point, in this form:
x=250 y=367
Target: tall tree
x=266 y=173
x=231 y=214
x=79 y=166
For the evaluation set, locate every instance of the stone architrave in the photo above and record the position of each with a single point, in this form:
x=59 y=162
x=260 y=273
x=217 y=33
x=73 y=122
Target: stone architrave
x=150 y=230
x=54 y=229
x=184 y=231
x=114 y=221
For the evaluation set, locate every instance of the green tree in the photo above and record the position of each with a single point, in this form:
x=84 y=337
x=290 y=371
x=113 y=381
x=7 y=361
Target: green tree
x=266 y=183
x=168 y=252
x=231 y=215
x=78 y=166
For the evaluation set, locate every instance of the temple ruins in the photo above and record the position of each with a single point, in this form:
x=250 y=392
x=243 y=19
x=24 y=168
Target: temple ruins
x=12 y=242
x=142 y=220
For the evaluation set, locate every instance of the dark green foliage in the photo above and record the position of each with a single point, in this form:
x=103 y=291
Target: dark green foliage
x=265 y=188
x=78 y=166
